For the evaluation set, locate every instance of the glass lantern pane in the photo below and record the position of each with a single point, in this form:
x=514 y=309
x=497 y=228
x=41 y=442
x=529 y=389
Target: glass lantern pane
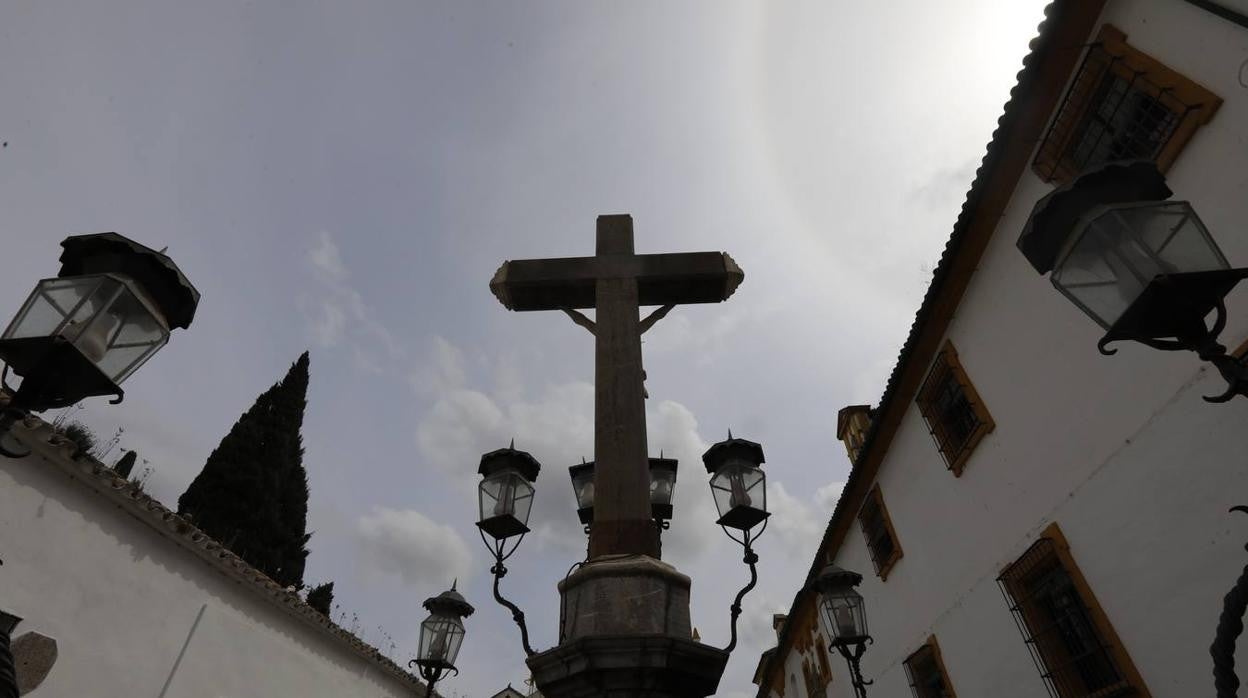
x=440 y=639
x=844 y=614
x=1116 y=253
x=53 y=305
x=506 y=494
x=739 y=485
x=583 y=487
x=662 y=486
x=122 y=337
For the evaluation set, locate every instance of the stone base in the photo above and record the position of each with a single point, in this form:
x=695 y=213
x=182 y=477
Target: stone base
x=625 y=595
x=620 y=666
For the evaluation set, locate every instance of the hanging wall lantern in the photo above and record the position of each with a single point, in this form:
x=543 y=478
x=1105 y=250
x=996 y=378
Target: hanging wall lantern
x=84 y=332
x=505 y=495
x=1142 y=267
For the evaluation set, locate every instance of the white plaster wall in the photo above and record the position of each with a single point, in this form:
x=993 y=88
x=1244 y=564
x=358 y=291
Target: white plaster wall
x=1120 y=451
x=122 y=603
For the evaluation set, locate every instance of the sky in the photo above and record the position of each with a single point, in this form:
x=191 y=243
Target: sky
x=345 y=178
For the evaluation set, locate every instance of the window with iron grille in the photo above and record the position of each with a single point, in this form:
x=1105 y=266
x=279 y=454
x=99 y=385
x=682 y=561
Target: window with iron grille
x=878 y=530
x=926 y=672
x=955 y=415
x=1121 y=105
x=1071 y=641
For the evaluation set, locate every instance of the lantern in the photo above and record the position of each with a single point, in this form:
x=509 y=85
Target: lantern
x=583 y=487
x=1140 y=266
x=442 y=633
x=662 y=487
x=844 y=614
x=506 y=492
x=737 y=482
x=83 y=333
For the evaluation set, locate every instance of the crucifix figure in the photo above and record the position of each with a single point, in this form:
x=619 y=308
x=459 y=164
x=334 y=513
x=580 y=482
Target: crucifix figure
x=616 y=282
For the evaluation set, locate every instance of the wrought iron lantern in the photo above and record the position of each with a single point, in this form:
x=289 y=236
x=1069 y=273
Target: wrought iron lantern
x=662 y=488
x=81 y=334
x=441 y=635
x=737 y=482
x=845 y=618
x=1143 y=267
x=583 y=487
x=506 y=492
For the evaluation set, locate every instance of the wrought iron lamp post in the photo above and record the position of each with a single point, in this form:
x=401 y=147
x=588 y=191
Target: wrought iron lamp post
x=845 y=619
x=441 y=635
x=81 y=334
x=740 y=490
x=1143 y=267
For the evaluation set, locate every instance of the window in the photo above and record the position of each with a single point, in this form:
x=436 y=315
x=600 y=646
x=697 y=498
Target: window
x=1122 y=105
x=955 y=415
x=878 y=529
x=926 y=671
x=1070 y=638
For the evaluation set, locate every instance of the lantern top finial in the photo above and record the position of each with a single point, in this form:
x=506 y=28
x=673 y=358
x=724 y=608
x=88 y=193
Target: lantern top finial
x=164 y=282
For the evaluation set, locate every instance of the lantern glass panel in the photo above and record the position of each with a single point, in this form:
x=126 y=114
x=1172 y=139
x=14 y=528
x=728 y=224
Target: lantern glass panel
x=440 y=638
x=662 y=485
x=104 y=317
x=739 y=485
x=506 y=494
x=57 y=306
x=844 y=615
x=1116 y=251
x=583 y=488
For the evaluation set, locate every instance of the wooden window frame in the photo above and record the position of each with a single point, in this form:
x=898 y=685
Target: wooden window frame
x=1198 y=104
x=1026 y=616
x=946 y=363
x=882 y=567
x=934 y=648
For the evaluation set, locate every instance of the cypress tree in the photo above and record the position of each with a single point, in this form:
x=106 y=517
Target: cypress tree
x=252 y=494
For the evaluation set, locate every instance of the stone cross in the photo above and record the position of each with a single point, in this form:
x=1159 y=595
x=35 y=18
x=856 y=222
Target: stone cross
x=616 y=282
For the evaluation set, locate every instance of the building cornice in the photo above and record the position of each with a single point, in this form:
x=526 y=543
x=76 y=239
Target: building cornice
x=1053 y=56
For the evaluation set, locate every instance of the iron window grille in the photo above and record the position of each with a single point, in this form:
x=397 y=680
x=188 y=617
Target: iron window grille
x=926 y=672
x=956 y=417
x=1070 y=640
x=1121 y=105
x=877 y=528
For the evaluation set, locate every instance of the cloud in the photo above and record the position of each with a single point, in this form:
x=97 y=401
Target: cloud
x=827 y=496
x=798 y=526
x=339 y=315
x=325 y=258
x=409 y=545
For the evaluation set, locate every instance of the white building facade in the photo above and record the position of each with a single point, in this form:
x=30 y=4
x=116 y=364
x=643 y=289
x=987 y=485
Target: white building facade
x=1072 y=538
x=141 y=603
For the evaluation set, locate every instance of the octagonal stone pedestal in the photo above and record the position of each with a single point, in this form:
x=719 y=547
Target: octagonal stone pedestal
x=626 y=632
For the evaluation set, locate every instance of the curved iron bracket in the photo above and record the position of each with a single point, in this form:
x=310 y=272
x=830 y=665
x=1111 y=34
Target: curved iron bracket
x=499 y=571
x=751 y=559
x=1230 y=627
